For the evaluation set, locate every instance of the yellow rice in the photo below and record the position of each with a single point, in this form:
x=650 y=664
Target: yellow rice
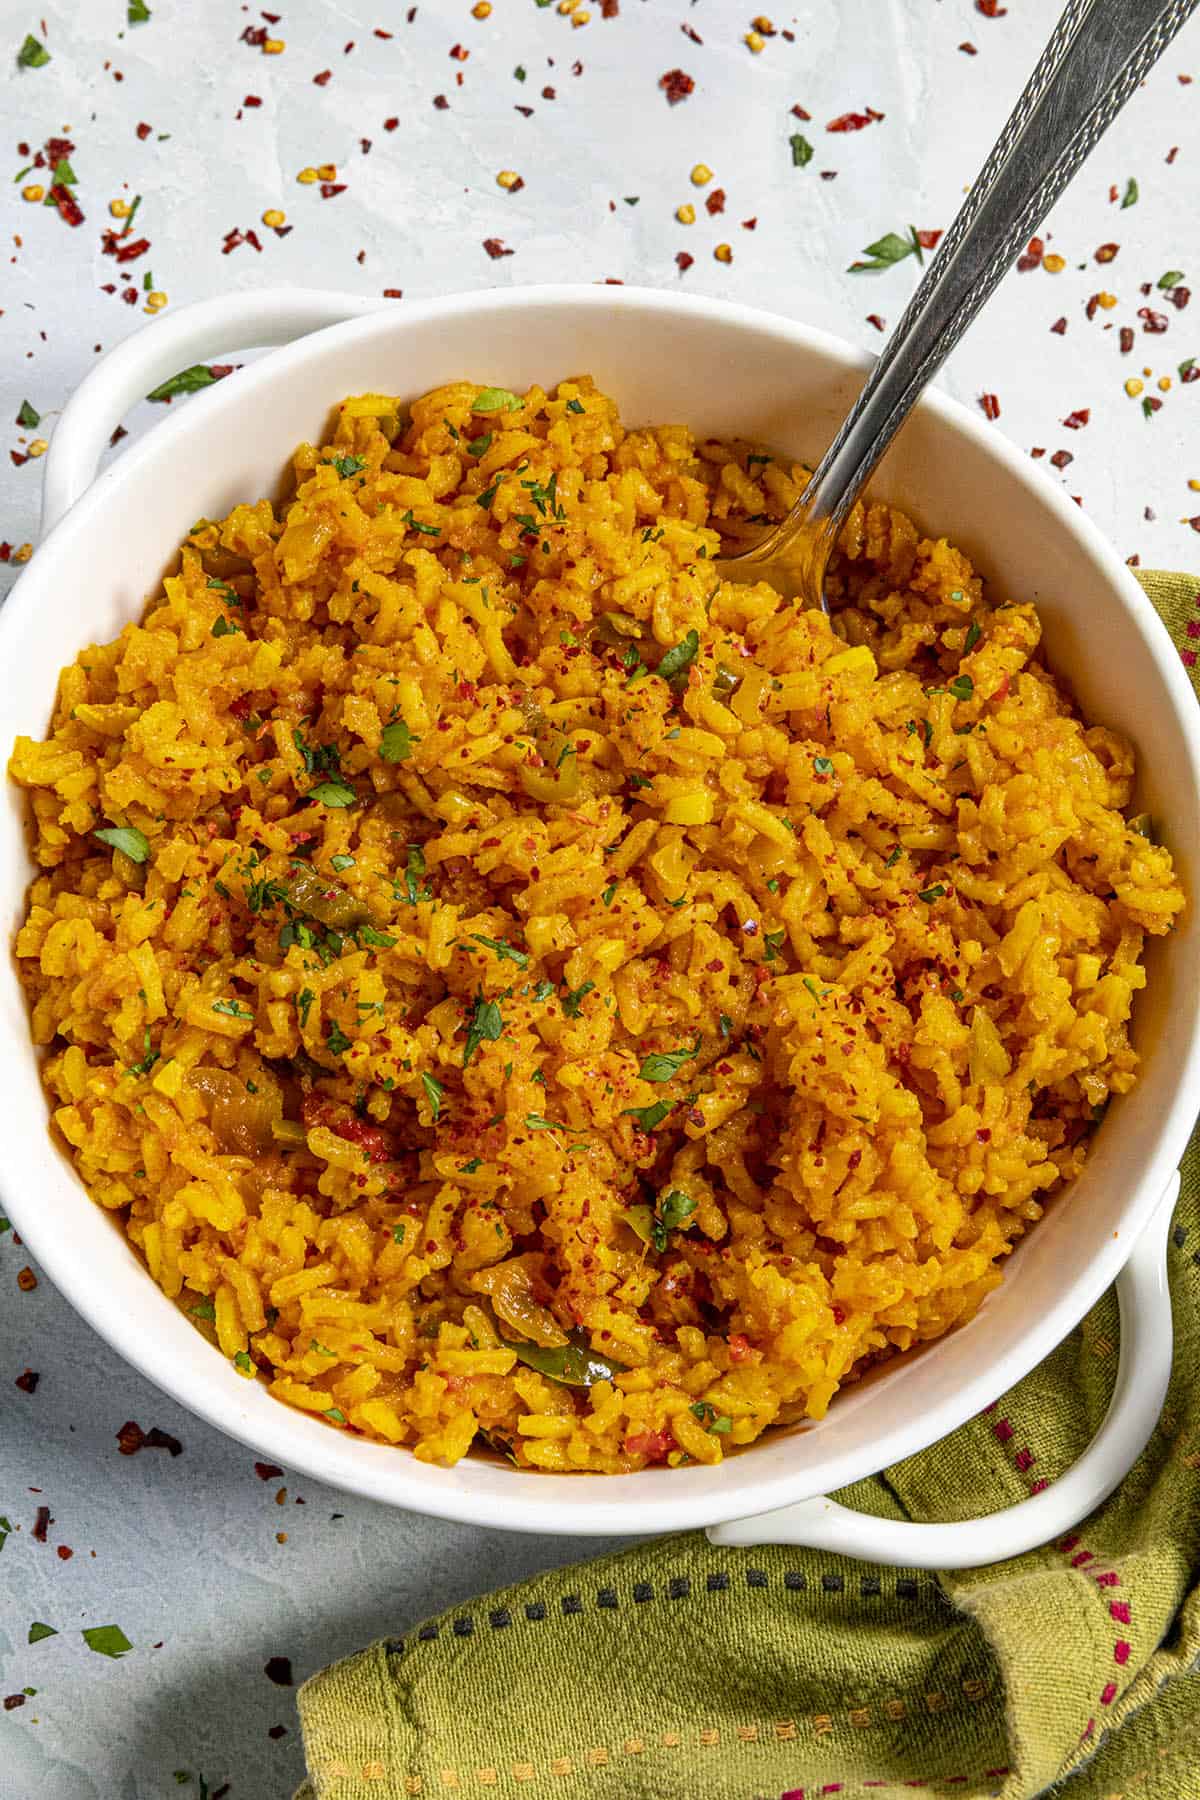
x=735 y=1019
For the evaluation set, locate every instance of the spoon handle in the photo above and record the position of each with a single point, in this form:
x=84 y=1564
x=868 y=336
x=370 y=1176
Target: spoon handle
x=1099 y=52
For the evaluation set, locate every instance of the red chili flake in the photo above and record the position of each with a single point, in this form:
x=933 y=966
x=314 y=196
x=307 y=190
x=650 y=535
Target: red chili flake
x=328 y=190
x=1060 y=326
x=6 y=548
x=1172 y=153
x=131 y=1438
x=741 y=1350
x=63 y=1552
x=929 y=240
x=279 y=1670
x=875 y=320
x=1190 y=373
x=1179 y=297
x=26 y=1279
x=1031 y=257
x=798 y=112
x=347 y=48
x=526 y=112
x=364 y=145
x=1151 y=404
x=267 y=1471
x=828 y=174
x=1075 y=421
x=968 y=49
x=1061 y=458
x=1195 y=522
x=233 y=239
x=990 y=405
x=1092 y=306
x=1038 y=451
x=1106 y=252
x=27 y=1382
x=458 y=54
x=18 y=461
x=12 y=1701
x=252 y=240
x=441 y=102
x=144 y=130
x=57 y=149
x=42 y=1524
x=393 y=293
x=255 y=36
x=129 y=295
x=839 y=1317
x=381 y=33
x=252 y=100
x=609 y=9
x=69 y=208
x=854 y=121
x=410 y=15
x=715 y=203
x=125 y=250
x=1154 y=322
x=496 y=248
x=323 y=77
x=676 y=85
x=1126 y=339
x=991 y=9
x=390 y=124
x=549 y=93
x=689 y=31
x=272 y=18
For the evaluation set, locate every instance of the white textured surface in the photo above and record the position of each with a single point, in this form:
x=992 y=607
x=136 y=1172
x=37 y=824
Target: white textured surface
x=185 y=1551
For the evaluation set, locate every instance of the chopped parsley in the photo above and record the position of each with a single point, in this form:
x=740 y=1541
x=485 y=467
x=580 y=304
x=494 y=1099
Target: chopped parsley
x=333 y=793
x=894 y=858
x=349 y=465
x=802 y=150
x=233 y=1009
x=889 y=249
x=242 y=1361
x=415 y=525
x=607 y=895
x=149 y=1056
x=773 y=942
x=962 y=687
x=338 y=863
x=536 y=1122
x=138 y=13
x=369 y=934
x=398 y=1234
x=505 y=951
x=930 y=894
x=481 y=445
x=337 y=1043
x=223 y=627
x=28 y=416
x=434 y=1093
x=32 y=54
x=679 y=657
x=127 y=839
x=574 y=997
x=649 y=1118
x=822 y=765
x=106 y=1640
x=415 y=867
x=973 y=636
x=493 y=399
x=396 y=742
x=664 y=1065
x=188 y=381
x=575 y=406
x=672 y=1211
x=484 y=1026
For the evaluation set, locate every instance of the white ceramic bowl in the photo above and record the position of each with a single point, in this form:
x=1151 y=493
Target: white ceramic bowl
x=723 y=369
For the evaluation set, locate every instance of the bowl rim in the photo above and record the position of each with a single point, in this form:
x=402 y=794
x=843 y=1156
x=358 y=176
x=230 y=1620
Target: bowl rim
x=541 y=1502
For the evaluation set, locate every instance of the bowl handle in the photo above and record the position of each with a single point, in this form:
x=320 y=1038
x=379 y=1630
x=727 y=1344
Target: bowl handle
x=1142 y=1375
x=174 y=341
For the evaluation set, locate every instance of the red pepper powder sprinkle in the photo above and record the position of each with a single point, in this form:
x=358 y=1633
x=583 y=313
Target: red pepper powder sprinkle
x=320 y=80
x=1075 y=421
x=1060 y=326
x=683 y=261
x=875 y=320
x=715 y=203
x=496 y=248
x=1061 y=458
x=991 y=9
x=144 y=130
x=990 y=405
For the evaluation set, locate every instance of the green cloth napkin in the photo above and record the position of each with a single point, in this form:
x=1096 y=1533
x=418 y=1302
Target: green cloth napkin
x=677 y=1671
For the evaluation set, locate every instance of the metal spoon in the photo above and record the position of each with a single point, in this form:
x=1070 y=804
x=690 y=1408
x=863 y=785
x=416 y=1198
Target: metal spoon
x=1099 y=52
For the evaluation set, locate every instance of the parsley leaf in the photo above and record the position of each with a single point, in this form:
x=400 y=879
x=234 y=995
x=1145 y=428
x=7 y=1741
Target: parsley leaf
x=573 y=999
x=889 y=249
x=304 y=1000
x=536 y=1122
x=396 y=742
x=333 y=793
x=106 y=1640
x=930 y=894
x=138 y=13
x=574 y=406
x=128 y=839
x=822 y=765
x=188 y=381
x=973 y=636
x=802 y=150
x=680 y=657
x=28 y=416
x=349 y=465
x=1130 y=196
x=337 y=1043
x=664 y=1065
x=504 y=950
x=223 y=627
x=434 y=1092
x=485 y=1025
x=32 y=55
x=962 y=687
x=492 y=400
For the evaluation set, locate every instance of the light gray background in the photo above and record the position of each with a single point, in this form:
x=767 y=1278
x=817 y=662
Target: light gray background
x=182 y=1552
